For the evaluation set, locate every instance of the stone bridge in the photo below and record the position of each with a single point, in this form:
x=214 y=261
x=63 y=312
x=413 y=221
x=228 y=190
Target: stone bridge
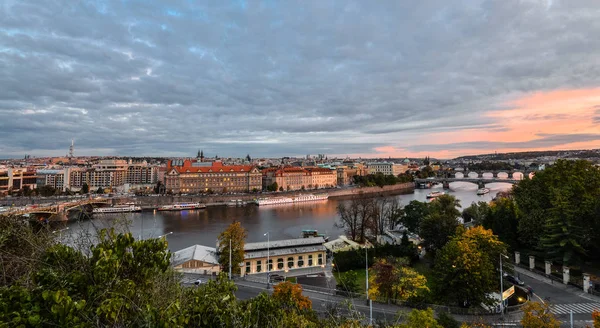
x=476 y=177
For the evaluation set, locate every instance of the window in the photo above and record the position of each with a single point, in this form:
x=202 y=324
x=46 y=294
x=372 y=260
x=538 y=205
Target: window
x=270 y=264
x=247 y=267
x=290 y=262
x=300 y=261
x=310 y=260
x=258 y=266
x=280 y=264
x=320 y=259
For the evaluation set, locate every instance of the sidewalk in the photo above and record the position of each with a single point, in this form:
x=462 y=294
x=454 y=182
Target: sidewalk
x=568 y=288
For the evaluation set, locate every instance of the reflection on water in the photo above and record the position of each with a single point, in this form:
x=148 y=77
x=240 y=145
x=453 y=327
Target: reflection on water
x=282 y=221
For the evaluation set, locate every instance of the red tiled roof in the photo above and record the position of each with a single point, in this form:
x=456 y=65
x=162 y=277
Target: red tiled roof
x=215 y=168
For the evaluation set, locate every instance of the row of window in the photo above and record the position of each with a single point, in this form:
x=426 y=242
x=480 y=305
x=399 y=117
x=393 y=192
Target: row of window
x=290 y=263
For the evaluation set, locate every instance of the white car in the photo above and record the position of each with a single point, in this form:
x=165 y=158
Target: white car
x=198 y=282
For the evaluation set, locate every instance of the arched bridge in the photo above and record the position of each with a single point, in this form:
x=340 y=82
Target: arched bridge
x=59 y=211
x=476 y=177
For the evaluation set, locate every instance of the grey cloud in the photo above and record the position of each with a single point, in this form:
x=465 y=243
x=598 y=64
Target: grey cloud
x=133 y=79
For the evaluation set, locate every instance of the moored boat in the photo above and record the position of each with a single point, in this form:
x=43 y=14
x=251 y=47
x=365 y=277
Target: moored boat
x=483 y=191
x=182 y=207
x=127 y=208
x=294 y=199
x=435 y=194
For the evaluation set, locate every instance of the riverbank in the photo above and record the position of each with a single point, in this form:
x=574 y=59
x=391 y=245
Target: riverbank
x=153 y=201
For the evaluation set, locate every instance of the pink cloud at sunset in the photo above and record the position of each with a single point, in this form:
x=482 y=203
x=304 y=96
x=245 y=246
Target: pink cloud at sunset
x=557 y=120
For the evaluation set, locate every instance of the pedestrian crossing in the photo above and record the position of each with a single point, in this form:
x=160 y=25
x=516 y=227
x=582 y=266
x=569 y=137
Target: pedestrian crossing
x=575 y=307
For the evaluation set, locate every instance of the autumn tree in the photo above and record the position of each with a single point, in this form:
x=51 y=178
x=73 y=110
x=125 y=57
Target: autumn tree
x=596 y=318
x=391 y=278
x=290 y=296
x=538 y=315
x=465 y=268
x=236 y=235
x=421 y=319
x=355 y=216
x=440 y=223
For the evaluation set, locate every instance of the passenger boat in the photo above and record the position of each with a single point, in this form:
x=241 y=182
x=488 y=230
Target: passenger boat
x=313 y=233
x=435 y=194
x=483 y=191
x=182 y=207
x=294 y=199
x=127 y=208
x=236 y=202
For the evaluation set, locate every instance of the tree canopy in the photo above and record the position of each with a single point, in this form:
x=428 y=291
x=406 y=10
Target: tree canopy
x=440 y=223
x=236 y=234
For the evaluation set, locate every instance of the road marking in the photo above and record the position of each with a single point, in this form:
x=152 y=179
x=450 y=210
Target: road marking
x=575 y=307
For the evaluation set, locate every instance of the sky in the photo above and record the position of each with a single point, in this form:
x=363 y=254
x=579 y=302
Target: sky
x=287 y=78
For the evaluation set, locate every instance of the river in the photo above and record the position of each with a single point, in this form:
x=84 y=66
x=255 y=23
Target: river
x=282 y=221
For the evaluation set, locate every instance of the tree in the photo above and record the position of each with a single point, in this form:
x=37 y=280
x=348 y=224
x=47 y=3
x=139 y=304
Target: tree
x=391 y=278
x=236 y=234
x=596 y=318
x=85 y=188
x=440 y=223
x=502 y=219
x=355 y=216
x=290 y=296
x=538 y=315
x=476 y=213
x=281 y=188
x=46 y=190
x=347 y=281
x=100 y=190
x=413 y=215
x=465 y=268
x=446 y=320
x=421 y=319
x=159 y=188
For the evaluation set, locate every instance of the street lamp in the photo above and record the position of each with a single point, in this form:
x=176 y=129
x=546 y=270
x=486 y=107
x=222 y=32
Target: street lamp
x=60 y=232
x=502 y=285
x=268 y=234
x=168 y=233
x=367 y=282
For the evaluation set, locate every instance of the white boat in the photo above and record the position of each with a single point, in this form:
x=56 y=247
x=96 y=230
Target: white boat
x=2 y=209
x=182 y=207
x=117 y=209
x=293 y=199
x=236 y=202
x=435 y=194
x=482 y=191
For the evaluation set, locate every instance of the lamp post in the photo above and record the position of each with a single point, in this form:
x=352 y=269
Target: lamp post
x=502 y=285
x=367 y=283
x=268 y=271
x=168 y=233
x=60 y=232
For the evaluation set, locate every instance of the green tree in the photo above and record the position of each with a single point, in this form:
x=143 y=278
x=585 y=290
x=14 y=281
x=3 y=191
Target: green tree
x=414 y=213
x=100 y=190
x=236 y=234
x=440 y=223
x=347 y=281
x=476 y=213
x=85 y=188
x=46 y=190
x=501 y=218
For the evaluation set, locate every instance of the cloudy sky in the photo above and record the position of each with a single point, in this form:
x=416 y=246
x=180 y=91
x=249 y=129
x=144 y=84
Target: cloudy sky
x=283 y=78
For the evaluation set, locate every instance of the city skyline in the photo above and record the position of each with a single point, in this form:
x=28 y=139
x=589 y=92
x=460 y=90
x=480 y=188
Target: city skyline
x=285 y=79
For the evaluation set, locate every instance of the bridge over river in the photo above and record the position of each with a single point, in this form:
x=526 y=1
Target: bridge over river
x=480 y=178
x=57 y=212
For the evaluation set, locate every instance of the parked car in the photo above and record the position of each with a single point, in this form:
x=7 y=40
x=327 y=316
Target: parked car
x=198 y=282
x=276 y=278
x=514 y=280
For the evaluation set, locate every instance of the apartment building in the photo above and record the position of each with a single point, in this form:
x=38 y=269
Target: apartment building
x=296 y=178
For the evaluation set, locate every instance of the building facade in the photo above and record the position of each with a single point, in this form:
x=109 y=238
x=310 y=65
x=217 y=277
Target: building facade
x=387 y=168
x=284 y=255
x=14 y=179
x=297 y=178
x=190 y=176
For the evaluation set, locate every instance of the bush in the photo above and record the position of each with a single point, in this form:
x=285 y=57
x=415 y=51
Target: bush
x=447 y=320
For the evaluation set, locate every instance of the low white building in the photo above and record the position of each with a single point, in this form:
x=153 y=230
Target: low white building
x=196 y=259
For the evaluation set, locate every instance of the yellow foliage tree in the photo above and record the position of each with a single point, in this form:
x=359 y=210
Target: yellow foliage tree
x=237 y=235
x=391 y=279
x=596 y=318
x=290 y=296
x=538 y=315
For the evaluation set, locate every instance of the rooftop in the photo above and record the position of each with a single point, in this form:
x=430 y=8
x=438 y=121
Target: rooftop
x=196 y=252
x=286 y=243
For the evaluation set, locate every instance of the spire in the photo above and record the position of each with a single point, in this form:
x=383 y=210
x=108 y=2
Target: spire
x=72 y=148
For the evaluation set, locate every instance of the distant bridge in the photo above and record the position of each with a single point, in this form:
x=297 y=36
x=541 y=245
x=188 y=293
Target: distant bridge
x=476 y=177
x=59 y=211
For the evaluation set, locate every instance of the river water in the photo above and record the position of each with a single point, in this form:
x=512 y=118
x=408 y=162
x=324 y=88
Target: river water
x=282 y=221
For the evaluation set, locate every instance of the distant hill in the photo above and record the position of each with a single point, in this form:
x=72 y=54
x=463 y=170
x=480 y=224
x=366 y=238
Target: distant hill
x=583 y=153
